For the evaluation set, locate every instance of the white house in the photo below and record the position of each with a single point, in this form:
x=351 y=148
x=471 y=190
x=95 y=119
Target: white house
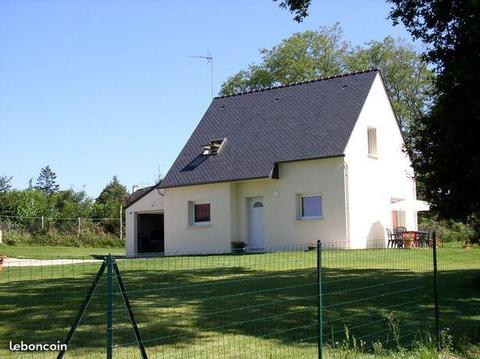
x=317 y=160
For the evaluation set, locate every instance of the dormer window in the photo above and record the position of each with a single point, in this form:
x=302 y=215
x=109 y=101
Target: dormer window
x=213 y=147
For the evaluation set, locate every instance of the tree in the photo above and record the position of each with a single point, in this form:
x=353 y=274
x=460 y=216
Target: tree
x=408 y=80
x=303 y=56
x=5 y=184
x=46 y=181
x=108 y=204
x=313 y=54
x=297 y=7
x=159 y=177
x=114 y=191
x=445 y=152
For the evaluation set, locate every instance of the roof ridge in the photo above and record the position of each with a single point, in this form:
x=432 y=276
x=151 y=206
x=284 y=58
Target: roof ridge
x=298 y=83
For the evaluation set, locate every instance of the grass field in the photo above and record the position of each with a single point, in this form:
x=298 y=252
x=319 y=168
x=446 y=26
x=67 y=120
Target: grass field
x=253 y=306
x=52 y=252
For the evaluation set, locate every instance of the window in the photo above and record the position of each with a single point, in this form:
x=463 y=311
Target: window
x=372 y=142
x=213 y=147
x=200 y=213
x=311 y=207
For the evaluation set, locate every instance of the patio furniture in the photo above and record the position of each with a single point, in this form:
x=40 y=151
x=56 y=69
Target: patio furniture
x=422 y=238
x=419 y=238
x=393 y=241
x=399 y=233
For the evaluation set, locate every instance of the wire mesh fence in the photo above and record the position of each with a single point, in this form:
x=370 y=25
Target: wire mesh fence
x=254 y=305
x=258 y=305
x=376 y=297
x=459 y=296
x=63 y=225
x=78 y=231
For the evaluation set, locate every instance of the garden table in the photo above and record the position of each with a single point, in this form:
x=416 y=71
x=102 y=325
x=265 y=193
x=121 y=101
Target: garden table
x=420 y=237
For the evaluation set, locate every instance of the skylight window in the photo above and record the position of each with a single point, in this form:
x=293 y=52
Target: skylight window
x=213 y=147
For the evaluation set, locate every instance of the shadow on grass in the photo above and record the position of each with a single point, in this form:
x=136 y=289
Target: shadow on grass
x=179 y=307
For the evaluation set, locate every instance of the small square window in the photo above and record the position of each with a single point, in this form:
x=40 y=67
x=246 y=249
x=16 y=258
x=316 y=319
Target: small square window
x=311 y=207
x=201 y=213
x=372 y=142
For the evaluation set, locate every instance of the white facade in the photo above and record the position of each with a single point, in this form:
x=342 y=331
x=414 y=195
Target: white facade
x=356 y=190
x=280 y=199
x=152 y=202
x=375 y=182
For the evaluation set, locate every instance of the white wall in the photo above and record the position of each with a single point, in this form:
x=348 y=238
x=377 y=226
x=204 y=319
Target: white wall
x=153 y=202
x=184 y=238
x=372 y=183
x=282 y=228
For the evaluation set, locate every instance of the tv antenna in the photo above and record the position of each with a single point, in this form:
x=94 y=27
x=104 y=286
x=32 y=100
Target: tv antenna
x=209 y=58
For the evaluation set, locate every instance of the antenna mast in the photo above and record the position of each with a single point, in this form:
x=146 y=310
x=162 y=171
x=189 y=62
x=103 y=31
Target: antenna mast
x=209 y=58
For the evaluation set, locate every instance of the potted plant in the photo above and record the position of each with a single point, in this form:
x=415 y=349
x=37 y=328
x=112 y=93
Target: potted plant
x=238 y=247
x=3 y=259
x=408 y=240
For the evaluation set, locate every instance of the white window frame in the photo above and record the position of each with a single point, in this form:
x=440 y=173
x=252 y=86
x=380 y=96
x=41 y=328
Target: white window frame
x=191 y=214
x=300 y=215
x=372 y=142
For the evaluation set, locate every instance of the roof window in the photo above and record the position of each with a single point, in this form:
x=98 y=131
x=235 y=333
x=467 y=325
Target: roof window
x=213 y=147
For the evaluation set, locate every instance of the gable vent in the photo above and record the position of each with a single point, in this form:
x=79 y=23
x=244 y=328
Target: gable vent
x=213 y=147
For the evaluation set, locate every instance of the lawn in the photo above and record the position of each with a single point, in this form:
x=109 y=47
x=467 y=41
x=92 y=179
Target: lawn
x=52 y=252
x=252 y=306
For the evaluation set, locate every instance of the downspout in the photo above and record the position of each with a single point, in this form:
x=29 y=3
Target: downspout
x=347 y=203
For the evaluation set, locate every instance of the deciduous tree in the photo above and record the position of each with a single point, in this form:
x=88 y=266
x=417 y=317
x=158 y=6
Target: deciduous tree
x=297 y=7
x=313 y=54
x=446 y=151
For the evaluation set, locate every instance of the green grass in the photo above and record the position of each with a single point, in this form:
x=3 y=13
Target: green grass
x=52 y=252
x=254 y=306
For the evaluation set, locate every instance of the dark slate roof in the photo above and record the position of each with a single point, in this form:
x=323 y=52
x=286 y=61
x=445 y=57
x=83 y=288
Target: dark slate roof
x=308 y=120
x=138 y=194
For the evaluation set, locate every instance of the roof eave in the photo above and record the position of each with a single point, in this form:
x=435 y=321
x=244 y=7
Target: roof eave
x=143 y=195
x=273 y=174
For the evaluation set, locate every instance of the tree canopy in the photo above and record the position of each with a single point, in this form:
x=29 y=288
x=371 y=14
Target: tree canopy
x=298 y=7
x=46 y=181
x=445 y=150
x=5 y=184
x=113 y=191
x=313 y=54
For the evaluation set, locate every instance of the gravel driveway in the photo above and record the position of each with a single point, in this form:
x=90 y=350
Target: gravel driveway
x=19 y=262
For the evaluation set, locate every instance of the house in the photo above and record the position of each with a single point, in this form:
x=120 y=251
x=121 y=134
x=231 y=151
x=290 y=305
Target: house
x=282 y=166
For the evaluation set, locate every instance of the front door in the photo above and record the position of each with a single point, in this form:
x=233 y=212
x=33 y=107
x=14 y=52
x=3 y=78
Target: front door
x=255 y=223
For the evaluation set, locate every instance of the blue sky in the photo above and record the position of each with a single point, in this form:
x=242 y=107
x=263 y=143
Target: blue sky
x=102 y=88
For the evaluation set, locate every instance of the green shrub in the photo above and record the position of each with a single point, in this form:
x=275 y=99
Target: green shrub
x=87 y=239
x=450 y=230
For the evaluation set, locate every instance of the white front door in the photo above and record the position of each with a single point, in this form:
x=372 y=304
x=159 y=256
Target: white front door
x=255 y=223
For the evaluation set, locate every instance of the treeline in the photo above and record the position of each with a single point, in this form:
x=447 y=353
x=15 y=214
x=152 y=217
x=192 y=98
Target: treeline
x=45 y=214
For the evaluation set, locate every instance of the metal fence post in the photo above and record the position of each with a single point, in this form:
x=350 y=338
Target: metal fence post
x=82 y=309
x=435 y=290
x=320 y=304
x=109 y=306
x=130 y=312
